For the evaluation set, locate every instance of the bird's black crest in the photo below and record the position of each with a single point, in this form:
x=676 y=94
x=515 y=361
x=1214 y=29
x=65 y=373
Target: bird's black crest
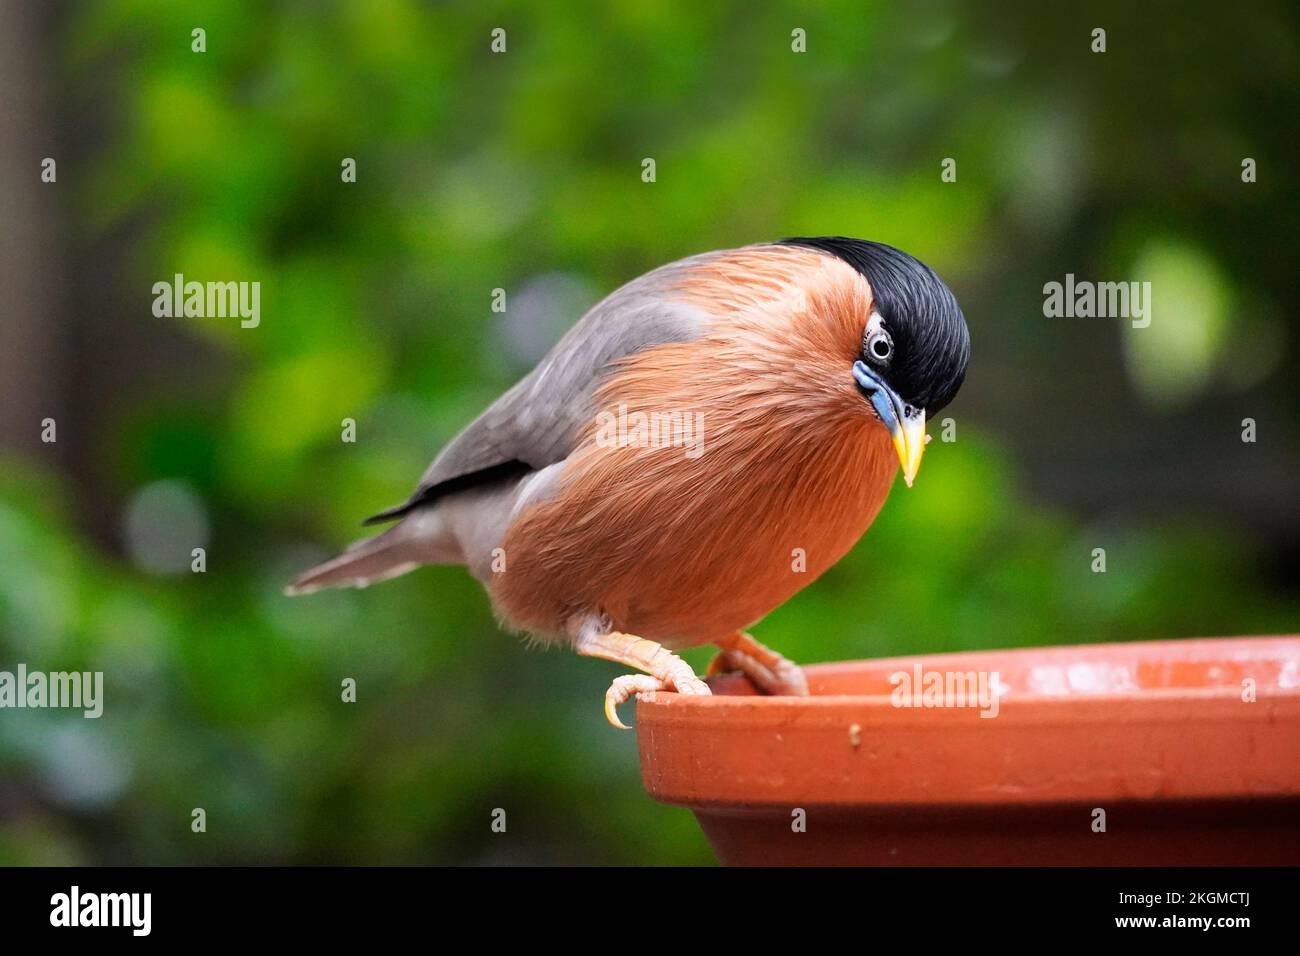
x=931 y=341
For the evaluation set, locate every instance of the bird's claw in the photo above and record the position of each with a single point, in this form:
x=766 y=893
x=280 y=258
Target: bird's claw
x=629 y=684
x=790 y=680
x=779 y=678
x=624 y=687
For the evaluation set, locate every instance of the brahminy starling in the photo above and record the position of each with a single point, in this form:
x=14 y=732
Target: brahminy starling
x=644 y=488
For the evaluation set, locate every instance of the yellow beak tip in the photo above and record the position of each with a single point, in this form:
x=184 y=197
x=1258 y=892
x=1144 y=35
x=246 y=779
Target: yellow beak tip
x=910 y=442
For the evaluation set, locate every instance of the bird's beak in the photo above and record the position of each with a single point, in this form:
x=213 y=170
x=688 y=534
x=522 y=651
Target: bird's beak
x=907 y=430
x=909 y=442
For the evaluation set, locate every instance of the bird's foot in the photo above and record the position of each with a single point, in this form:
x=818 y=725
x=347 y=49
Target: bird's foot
x=629 y=684
x=769 y=671
x=664 y=670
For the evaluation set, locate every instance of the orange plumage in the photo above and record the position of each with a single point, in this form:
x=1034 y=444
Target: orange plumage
x=687 y=551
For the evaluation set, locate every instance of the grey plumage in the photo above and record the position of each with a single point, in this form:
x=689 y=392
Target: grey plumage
x=536 y=422
x=455 y=515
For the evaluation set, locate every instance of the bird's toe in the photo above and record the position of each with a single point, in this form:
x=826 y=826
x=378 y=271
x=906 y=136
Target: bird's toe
x=690 y=686
x=624 y=687
x=790 y=680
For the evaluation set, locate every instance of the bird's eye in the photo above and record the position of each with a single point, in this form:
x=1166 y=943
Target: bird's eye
x=880 y=347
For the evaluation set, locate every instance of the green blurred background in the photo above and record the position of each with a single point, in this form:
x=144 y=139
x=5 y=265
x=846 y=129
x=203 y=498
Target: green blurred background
x=522 y=171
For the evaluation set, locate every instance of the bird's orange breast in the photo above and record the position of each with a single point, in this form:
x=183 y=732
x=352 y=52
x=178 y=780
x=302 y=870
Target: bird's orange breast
x=721 y=475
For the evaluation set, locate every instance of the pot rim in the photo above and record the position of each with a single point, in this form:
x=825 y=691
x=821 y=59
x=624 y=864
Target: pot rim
x=740 y=751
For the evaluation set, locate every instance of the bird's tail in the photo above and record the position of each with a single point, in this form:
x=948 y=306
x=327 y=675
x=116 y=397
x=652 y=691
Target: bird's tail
x=384 y=556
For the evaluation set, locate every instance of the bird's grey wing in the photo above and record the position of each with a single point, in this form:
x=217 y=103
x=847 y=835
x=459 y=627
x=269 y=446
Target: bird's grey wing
x=537 y=422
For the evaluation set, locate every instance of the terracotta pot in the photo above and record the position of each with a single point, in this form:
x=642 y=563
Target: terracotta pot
x=1157 y=741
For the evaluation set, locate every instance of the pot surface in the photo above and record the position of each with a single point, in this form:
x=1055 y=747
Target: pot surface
x=1160 y=753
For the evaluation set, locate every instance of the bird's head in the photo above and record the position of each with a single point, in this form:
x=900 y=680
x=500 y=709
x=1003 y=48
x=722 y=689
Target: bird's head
x=915 y=346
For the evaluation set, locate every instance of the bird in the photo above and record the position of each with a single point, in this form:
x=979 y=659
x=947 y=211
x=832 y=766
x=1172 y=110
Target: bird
x=700 y=446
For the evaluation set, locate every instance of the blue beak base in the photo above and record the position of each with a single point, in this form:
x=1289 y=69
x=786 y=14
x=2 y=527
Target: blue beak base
x=882 y=397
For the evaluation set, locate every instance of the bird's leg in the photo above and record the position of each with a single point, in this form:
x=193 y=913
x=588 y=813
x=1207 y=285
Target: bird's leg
x=769 y=671
x=666 y=670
